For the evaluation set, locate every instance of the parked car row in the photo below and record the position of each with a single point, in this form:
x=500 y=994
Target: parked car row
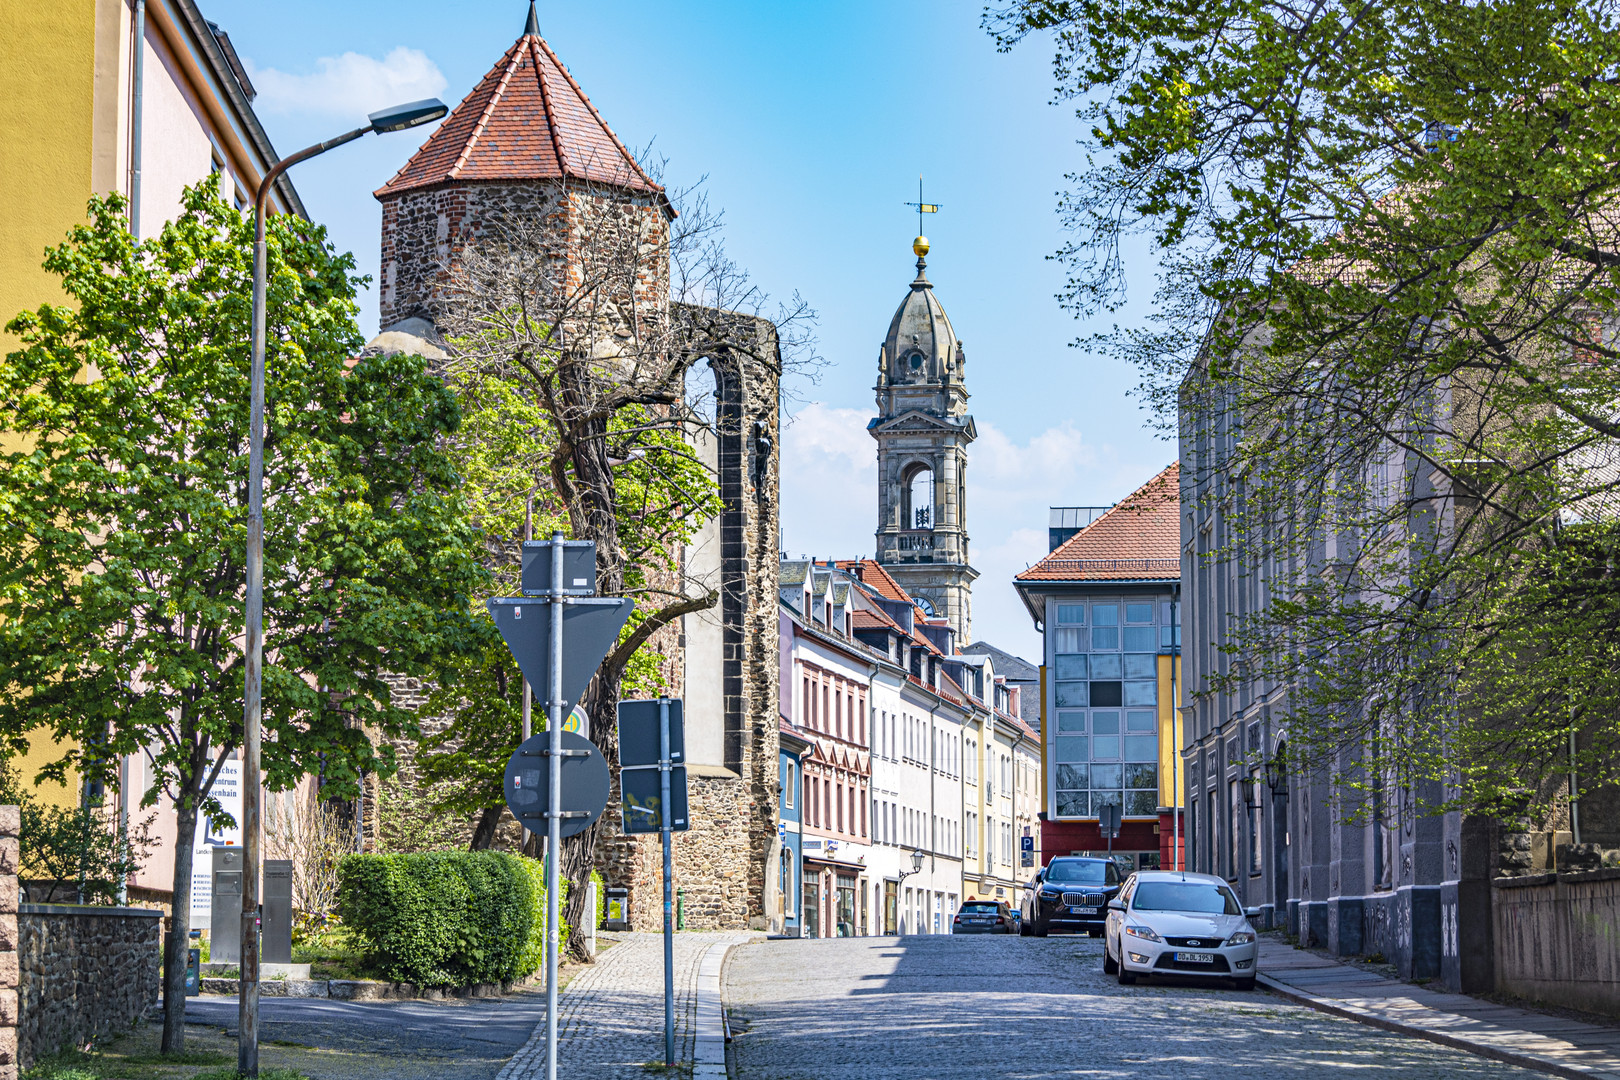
x=1152 y=922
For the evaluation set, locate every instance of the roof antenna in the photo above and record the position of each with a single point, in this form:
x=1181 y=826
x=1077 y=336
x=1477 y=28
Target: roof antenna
x=532 y=27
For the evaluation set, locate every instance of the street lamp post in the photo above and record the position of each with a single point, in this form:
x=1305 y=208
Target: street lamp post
x=917 y=859
x=397 y=118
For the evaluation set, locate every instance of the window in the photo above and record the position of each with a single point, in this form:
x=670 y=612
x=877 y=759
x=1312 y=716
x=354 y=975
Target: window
x=840 y=817
x=838 y=716
x=1104 y=744
x=789 y=784
x=811 y=803
x=1255 y=858
x=809 y=704
x=1235 y=832
x=863 y=818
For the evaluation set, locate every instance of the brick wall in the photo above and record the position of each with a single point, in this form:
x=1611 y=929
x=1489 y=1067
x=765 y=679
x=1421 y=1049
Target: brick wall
x=84 y=972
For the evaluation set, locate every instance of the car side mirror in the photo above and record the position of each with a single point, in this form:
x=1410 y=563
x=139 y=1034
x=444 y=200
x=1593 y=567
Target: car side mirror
x=1251 y=913
x=1115 y=905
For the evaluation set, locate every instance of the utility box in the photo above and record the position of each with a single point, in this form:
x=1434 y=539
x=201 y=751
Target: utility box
x=276 y=936
x=225 y=921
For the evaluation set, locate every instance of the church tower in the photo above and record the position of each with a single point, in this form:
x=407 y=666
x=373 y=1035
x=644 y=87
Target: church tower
x=922 y=431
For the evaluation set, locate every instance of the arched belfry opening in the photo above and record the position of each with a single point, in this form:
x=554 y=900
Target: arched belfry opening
x=923 y=430
x=917 y=502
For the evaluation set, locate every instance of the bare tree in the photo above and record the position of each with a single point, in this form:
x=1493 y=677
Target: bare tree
x=313 y=836
x=598 y=307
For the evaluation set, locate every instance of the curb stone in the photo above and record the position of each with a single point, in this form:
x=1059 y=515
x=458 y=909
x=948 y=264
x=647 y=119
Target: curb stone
x=1522 y=1058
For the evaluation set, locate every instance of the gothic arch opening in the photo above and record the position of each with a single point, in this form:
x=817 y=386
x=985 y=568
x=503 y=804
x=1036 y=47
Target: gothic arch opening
x=917 y=498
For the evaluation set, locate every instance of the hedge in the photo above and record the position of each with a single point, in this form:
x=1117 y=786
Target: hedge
x=446 y=918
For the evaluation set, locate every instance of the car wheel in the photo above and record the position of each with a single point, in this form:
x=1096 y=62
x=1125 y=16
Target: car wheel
x=1040 y=929
x=1023 y=929
x=1095 y=933
x=1109 y=967
x=1244 y=984
x=1125 y=977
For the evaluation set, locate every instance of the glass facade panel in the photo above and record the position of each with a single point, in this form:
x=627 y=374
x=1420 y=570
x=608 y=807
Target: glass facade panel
x=1134 y=721
x=1072 y=777
x=1141 y=693
x=1141 y=748
x=1141 y=638
x=1107 y=777
x=1169 y=637
x=1140 y=665
x=1105 y=637
x=1104 y=614
x=1107 y=694
x=1071 y=614
x=1071 y=721
x=1141 y=803
x=1073 y=667
x=1139 y=613
x=1142 y=776
x=1105 y=723
x=1071 y=641
x=1105 y=747
x=1071 y=695
x=1100 y=799
x=1073 y=804
x=1105 y=667
x=1070 y=747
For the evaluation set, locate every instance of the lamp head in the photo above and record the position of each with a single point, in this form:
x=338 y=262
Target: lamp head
x=916 y=862
x=409 y=115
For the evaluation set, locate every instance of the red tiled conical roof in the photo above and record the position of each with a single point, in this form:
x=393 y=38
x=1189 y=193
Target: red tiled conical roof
x=526 y=120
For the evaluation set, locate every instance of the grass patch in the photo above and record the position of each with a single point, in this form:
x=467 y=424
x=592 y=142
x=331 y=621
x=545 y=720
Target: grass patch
x=135 y=1056
x=264 y=1074
x=658 y=1068
x=332 y=954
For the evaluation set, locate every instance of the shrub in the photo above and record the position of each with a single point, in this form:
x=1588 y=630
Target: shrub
x=445 y=918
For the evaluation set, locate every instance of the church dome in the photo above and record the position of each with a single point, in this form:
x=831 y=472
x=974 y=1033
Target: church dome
x=920 y=346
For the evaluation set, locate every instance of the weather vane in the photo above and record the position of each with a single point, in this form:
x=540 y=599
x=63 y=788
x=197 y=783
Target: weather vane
x=922 y=207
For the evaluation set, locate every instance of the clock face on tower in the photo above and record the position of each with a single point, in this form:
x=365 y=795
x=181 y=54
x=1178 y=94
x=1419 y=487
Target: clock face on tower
x=927 y=605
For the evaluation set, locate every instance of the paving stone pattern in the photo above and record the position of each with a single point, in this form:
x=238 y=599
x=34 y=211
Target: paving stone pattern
x=942 y=1008
x=610 y=1017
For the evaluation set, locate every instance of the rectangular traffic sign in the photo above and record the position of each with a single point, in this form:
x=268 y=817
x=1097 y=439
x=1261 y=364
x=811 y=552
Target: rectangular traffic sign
x=590 y=629
x=1108 y=818
x=1026 y=843
x=579 y=567
x=642 y=793
x=639 y=736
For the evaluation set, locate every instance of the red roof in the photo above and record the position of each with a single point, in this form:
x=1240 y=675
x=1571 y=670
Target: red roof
x=874 y=577
x=1140 y=538
x=526 y=120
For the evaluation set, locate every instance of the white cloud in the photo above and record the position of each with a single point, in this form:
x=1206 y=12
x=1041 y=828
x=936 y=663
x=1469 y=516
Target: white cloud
x=829 y=501
x=350 y=85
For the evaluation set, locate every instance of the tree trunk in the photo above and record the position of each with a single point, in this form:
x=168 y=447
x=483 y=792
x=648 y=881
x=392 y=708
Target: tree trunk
x=579 y=852
x=179 y=937
x=484 y=832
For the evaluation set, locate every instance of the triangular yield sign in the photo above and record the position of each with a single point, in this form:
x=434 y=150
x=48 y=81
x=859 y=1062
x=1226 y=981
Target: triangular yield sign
x=590 y=627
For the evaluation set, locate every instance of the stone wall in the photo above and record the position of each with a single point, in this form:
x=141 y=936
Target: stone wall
x=1558 y=938
x=85 y=972
x=10 y=820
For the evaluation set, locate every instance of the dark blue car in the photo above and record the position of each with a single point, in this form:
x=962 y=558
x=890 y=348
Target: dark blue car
x=1070 y=893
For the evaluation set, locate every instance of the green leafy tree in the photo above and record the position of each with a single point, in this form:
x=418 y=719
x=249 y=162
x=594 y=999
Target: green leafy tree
x=1385 y=323
x=72 y=854
x=123 y=519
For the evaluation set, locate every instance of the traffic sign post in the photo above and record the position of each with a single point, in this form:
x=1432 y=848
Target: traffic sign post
x=1108 y=817
x=561 y=665
x=665 y=811
x=584 y=782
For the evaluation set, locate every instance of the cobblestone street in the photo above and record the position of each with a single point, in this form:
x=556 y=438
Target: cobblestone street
x=610 y=1017
x=928 y=1008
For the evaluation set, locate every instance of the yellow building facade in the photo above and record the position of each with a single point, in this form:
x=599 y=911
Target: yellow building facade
x=138 y=97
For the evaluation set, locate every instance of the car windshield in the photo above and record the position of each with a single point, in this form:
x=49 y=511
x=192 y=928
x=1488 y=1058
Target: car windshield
x=1193 y=896
x=1077 y=872
x=980 y=909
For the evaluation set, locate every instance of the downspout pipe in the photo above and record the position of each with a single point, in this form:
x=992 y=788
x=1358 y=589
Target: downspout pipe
x=135 y=109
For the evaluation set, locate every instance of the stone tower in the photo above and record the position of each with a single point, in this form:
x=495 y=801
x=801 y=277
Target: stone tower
x=922 y=431
x=527 y=146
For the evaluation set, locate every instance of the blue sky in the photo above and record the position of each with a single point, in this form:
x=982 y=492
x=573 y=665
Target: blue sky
x=811 y=123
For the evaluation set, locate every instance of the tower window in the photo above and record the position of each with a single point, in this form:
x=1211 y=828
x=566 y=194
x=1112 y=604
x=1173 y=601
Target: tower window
x=919 y=499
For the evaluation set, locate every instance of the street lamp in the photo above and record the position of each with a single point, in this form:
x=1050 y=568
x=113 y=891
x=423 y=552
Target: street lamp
x=397 y=118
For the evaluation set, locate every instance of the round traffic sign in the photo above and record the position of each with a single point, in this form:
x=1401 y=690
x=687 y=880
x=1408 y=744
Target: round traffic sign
x=584 y=782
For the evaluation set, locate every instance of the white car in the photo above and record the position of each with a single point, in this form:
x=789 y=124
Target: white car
x=1166 y=922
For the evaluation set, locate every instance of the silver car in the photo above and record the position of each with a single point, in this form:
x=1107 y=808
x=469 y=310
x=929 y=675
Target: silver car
x=1166 y=922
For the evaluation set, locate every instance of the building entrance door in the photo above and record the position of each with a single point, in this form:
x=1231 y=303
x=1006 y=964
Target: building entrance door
x=810 y=909
x=891 y=908
x=846 y=906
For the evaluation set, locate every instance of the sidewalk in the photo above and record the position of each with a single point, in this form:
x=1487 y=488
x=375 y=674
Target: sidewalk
x=1532 y=1040
x=610 y=1017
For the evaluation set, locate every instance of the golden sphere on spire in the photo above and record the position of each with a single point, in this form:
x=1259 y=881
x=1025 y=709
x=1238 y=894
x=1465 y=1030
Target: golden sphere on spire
x=920 y=246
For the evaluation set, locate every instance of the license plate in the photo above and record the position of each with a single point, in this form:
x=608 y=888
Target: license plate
x=1195 y=957
x=1084 y=910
